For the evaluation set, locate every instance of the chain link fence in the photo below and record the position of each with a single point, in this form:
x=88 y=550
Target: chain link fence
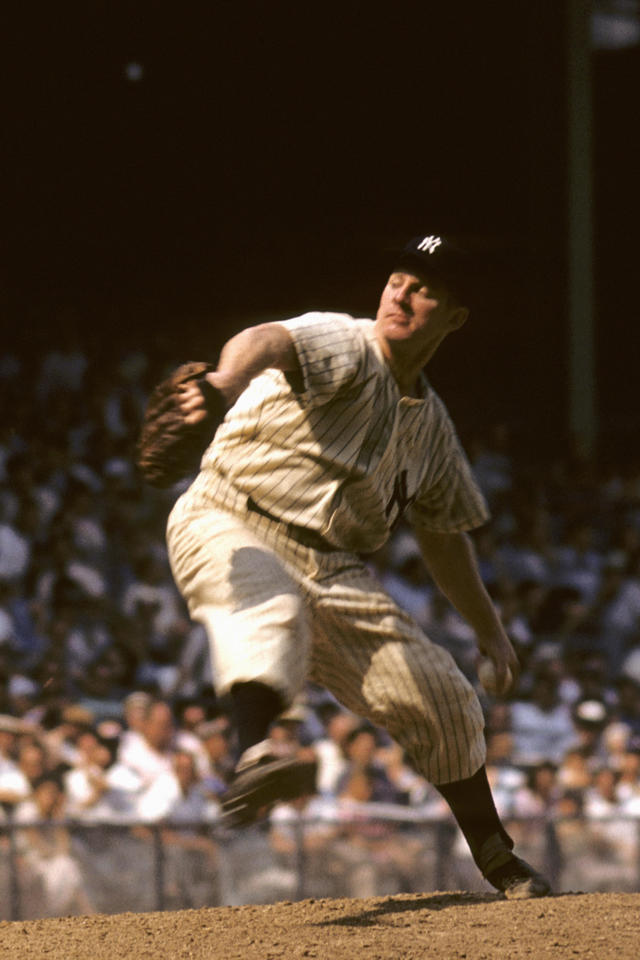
x=60 y=869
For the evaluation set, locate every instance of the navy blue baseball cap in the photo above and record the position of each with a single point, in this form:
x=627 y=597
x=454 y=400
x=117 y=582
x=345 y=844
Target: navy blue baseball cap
x=433 y=256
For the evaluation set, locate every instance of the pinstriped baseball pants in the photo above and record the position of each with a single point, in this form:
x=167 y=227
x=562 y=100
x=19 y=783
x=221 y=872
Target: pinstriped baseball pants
x=280 y=613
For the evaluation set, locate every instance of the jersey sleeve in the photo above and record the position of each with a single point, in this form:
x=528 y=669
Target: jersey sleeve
x=330 y=352
x=451 y=501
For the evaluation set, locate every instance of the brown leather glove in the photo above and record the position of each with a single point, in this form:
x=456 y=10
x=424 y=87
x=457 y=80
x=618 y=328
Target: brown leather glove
x=170 y=449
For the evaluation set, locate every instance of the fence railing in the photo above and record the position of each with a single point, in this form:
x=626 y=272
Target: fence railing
x=62 y=868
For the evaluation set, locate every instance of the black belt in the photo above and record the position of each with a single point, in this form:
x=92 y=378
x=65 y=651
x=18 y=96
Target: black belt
x=302 y=535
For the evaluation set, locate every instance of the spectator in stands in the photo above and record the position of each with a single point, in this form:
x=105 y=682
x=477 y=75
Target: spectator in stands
x=615 y=738
x=330 y=749
x=614 y=613
x=176 y=796
x=151 y=754
x=627 y=708
x=374 y=856
x=591 y=673
x=135 y=707
x=528 y=555
x=15 y=551
x=409 y=787
x=609 y=833
x=574 y=773
x=361 y=748
x=590 y=719
x=190 y=714
x=105 y=681
x=535 y=802
x=53 y=878
x=64 y=740
x=21 y=627
x=308 y=825
x=82 y=518
x=152 y=586
x=576 y=562
x=23 y=697
x=601 y=799
x=621 y=611
x=541 y=727
x=493 y=464
x=188 y=647
x=540 y=795
x=177 y=801
x=531 y=597
x=216 y=736
x=98 y=788
x=563 y=620
x=628 y=786
x=18 y=784
x=63 y=367
x=13 y=784
x=505 y=779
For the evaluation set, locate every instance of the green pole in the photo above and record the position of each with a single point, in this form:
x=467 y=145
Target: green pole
x=582 y=384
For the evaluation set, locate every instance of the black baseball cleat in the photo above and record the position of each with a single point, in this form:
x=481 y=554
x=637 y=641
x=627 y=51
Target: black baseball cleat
x=262 y=782
x=518 y=880
x=507 y=873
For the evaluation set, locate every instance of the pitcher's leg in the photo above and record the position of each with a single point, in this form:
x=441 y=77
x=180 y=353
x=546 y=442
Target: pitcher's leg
x=376 y=659
x=251 y=608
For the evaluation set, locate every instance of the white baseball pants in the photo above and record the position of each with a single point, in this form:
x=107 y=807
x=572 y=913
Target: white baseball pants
x=280 y=613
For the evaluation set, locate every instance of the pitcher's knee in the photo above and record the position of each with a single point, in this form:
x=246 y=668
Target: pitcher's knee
x=444 y=740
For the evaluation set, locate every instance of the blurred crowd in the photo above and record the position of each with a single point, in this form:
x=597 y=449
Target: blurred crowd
x=107 y=709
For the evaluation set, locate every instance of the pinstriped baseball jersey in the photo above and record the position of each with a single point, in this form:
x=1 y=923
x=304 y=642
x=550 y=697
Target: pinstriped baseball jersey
x=342 y=453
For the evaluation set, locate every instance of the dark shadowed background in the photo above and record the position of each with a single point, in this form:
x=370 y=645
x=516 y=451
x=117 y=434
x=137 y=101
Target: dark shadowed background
x=175 y=170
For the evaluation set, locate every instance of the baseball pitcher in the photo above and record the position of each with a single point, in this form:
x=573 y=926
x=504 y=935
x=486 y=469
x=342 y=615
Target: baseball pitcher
x=331 y=434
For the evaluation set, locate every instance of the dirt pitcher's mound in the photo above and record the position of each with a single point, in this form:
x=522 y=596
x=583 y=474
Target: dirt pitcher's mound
x=443 y=925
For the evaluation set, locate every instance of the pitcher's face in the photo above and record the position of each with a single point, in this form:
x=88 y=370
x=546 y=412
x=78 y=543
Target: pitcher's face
x=413 y=310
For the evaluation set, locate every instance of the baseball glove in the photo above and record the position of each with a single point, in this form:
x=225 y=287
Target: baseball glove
x=170 y=449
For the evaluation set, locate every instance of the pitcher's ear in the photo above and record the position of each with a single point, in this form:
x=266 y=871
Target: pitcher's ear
x=458 y=318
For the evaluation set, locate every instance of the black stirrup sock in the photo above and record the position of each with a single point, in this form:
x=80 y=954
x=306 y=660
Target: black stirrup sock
x=255 y=707
x=472 y=805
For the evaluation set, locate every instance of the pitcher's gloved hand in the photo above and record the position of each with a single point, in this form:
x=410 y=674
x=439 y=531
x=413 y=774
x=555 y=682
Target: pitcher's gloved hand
x=171 y=442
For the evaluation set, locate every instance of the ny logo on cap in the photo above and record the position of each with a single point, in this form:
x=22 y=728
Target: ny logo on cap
x=430 y=244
